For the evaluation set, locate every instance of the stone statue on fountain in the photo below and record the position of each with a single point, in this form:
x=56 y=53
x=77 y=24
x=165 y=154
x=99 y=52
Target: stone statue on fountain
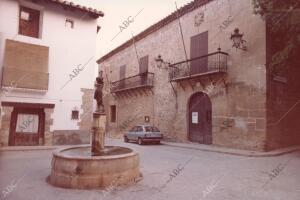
x=98 y=95
x=99 y=118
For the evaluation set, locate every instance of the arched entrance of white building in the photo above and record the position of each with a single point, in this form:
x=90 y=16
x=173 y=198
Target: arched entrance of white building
x=200 y=118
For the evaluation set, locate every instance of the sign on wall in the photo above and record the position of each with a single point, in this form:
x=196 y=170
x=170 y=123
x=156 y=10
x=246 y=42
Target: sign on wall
x=195 y=117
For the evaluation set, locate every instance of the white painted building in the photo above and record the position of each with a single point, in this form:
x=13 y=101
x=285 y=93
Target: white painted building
x=47 y=66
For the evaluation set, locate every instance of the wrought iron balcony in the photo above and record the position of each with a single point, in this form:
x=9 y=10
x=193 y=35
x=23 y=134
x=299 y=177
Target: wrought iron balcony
x=201 y=66
x=139 y=81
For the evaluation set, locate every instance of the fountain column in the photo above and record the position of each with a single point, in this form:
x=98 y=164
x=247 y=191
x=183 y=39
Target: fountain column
x=99 y=119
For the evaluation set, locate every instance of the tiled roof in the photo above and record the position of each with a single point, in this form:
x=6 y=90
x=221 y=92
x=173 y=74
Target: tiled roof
x=170 y=18
x=93 y=12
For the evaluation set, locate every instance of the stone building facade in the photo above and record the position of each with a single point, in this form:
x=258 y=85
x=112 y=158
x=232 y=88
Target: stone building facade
x=184 y=76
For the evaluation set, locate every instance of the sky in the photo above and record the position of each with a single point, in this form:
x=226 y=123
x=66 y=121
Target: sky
x=117 y=11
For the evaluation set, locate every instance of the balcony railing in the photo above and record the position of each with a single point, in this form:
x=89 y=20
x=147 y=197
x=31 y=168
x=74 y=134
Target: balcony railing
x=208 y=64
x=144 y=80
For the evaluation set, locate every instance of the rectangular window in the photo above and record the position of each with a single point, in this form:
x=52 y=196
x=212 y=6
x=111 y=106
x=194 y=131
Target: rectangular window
x=122 y=76
x=143 y=65
x=122 y=71
x=199 y=47
x=29 y=22
x=113 y=113
x=75 y=114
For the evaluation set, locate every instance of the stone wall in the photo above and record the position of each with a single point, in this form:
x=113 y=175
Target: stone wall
x=5 y=125
x=81 y=136
x=283 y=83
x=239 y=98
x=86 y=116
x=239 y=118
x=71 y=137
x=129 y=115
x=48 y=135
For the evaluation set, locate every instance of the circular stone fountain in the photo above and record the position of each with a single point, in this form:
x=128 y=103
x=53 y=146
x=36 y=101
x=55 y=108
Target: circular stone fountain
x=95 y=166
x=75 y=167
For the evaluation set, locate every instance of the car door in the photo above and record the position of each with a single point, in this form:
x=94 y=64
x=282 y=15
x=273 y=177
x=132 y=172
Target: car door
x=131 y=133
x=139 y=132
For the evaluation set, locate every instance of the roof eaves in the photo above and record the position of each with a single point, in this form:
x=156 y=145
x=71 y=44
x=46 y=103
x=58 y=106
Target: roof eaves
x=94 y=12
x=165 y=21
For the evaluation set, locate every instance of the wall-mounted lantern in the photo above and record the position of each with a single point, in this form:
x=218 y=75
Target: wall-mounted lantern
x=237 y=39
x=161 y=64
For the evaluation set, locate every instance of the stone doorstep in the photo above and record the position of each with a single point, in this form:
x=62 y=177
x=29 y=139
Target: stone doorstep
x=238 y=152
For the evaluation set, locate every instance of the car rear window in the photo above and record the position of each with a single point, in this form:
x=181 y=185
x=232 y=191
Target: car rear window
x=151 y=129
x=139 y=129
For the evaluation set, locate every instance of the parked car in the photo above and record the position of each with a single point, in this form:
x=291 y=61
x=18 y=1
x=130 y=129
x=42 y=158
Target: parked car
x=142 y=134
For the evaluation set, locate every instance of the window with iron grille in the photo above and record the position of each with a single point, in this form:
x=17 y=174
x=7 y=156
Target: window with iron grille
x=75 y=115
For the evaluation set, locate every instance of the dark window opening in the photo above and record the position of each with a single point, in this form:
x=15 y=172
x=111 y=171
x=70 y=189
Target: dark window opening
x=75 y=114
x=29 y=22
x=113 y=113
x=143 y=65
x=199 y=47
x=122 y=76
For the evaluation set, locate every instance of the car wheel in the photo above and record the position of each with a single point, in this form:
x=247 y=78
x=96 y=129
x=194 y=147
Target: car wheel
x=126 y=139
x=140 y=141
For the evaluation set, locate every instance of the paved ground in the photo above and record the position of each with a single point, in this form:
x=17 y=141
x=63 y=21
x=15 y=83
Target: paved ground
x=200 y=175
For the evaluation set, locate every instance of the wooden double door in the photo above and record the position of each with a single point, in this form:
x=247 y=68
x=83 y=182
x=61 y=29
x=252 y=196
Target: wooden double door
x=27 y=127
x=200 y=118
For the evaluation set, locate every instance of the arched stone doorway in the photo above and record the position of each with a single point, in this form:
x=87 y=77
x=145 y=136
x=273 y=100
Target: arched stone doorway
x=200 y=118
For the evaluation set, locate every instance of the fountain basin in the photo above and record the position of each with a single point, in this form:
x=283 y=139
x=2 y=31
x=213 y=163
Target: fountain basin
x=75 y=167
